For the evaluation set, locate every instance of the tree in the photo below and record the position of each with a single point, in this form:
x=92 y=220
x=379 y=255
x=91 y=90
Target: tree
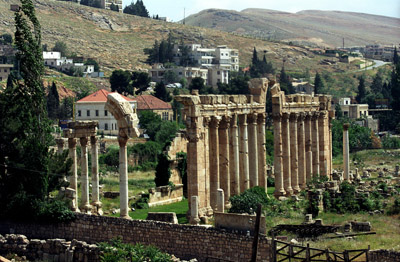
x=377 y=84
x=395 y=84
x=120 y=82
x=198 y=83
x=338 y=111
x=170 y=77
x=396 y=59
x=318 y=84
x=140 y=81
x=362 y=92
x=53 y=102
x=61 y=47
x=6 y=39
x=114 y=7
x=26 y=173
x=161 y=92
x=93 y=62
x=285 y=83
x=137 y=8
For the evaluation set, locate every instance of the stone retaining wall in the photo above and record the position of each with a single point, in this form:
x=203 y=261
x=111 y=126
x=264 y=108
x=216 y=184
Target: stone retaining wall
x=183 y=241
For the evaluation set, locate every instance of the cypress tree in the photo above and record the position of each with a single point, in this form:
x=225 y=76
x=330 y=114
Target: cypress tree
x=53 y=102
x=361 y=91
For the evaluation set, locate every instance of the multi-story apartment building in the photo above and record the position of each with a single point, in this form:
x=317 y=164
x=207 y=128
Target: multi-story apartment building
x=380 y=52
x=106 y=4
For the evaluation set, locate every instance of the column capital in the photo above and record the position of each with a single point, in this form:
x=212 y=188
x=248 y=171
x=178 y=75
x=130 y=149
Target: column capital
x=285 y=116
x=243 y=120
x=71 y=142
x=60 y=142
x=293 y=117
x=93 y=140
x=206 y=121
x=308 y=116
x=315 y=115
x=276 y=117
x=323 y=114
x=225 y=122
x=301 y=116
x=261 y=118
x=122 y=140
x=83 y=141
x=252 y=118
x=234 y=118
x=215 y=121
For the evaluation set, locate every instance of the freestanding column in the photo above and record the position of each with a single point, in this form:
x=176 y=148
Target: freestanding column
x=123 y=177
x=294 y=169
x=214 y=161
x=323 y=143
x=308 y=145
x=301 y=151
x=73 y=182
x=60 y=145
x=244 y=154
x=253 y=152
x=346 y=160
x=262 y=161
x=223 y=133
x=286 y=154
x=279 y=190
x=95 y=175
x=85 y=206
x=315 y=143
x=330 y=148
x=234 y=157
x=205 y=143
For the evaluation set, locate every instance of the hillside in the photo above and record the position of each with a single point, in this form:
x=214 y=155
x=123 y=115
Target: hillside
x=117 y=40
x=310 y=27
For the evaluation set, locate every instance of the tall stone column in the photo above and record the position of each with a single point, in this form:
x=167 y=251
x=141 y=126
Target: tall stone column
x=206 y=142
x=323 y=143
x=60 y=145
x=279 y=190
x=224 y=175
x=73 y=180
x=294 y=169
x=214 y=161
x=346 y=155
x=315 y=143
x=244 y=154
x=253 y=150
x=123 y=177
x=330 y=148
x=95 y=175
x=85 y=206
x=262 y=161
x=287 y=181
x=234 y=157
x=308 y=146
x=301 y=151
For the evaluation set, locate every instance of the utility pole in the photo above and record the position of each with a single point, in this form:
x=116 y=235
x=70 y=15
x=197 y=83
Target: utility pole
x=184 y=15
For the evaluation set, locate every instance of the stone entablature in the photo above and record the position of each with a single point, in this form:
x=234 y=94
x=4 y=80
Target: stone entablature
x=302 y=139
x=226 y=148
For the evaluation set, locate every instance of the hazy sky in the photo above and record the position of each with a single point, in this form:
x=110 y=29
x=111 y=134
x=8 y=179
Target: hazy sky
x=174 y=8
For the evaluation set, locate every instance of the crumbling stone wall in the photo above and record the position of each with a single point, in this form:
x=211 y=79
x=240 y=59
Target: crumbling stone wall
x=183 y=241
x=382 y=255
x=57 y=250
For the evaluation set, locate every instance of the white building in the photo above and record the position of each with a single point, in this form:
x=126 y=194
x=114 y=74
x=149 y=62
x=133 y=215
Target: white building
x=50 y=58
x=92 y=108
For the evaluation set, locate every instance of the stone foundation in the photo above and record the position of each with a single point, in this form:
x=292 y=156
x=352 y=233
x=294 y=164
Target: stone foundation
x=184 y=241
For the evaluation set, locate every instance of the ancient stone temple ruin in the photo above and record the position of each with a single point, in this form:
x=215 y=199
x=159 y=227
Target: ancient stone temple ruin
x=127 y=122
x=226 y=148
x=83 y=130
x=302 y=139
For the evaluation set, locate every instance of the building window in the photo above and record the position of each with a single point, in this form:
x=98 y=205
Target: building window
x=105 y=126
x=218 y=72
x=88 y=113
x=97 y=112
x=5 y=70
x=79 y=113
x=165 y=116
x=105 y=113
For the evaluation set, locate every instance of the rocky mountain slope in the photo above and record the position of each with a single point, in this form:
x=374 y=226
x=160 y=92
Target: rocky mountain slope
x=117 y=40
x=310 y=27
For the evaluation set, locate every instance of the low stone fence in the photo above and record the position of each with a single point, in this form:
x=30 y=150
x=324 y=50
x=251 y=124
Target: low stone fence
x=57 y=250
x=384 y=256
x=164 y=195
x=239 y=222
x=184 y=241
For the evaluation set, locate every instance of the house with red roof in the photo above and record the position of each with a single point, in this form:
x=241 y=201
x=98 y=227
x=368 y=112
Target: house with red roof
x=91 y=107
x=152 y=103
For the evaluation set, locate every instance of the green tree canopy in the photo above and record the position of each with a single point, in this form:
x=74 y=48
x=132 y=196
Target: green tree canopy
x=362 y=92
x=6 y=39
x=140 y=81
x=61 y=47
x=161 y=92
x=120 y=82
x=285 y=83
x=93 y=62
x=137 y=8
x=318 y=84
x=53 y=102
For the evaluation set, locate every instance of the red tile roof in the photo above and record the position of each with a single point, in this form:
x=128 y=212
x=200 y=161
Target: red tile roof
x=149 y=102
x=100 y=96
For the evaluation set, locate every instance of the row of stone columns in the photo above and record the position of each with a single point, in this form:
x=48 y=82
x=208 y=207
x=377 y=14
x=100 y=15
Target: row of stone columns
x=301 y=149
x=84 y=206
x=235 y=158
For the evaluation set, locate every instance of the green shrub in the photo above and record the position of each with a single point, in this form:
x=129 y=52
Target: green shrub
x=395 y=208
x=116 y=251
x=142 y=203
x=391 y=142
x=248 y=201
x=270 y=182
